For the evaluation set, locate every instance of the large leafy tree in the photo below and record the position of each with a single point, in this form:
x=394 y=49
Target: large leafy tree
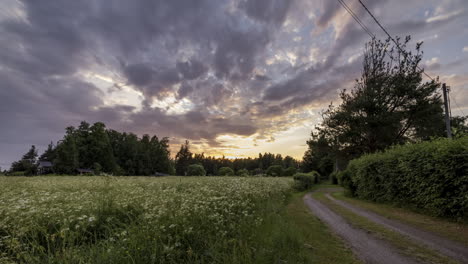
x=390 y=104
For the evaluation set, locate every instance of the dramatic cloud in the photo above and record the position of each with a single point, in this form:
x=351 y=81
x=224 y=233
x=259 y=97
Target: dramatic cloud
x=229 y=75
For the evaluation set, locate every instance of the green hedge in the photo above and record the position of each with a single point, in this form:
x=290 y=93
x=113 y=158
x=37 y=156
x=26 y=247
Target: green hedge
x=431 y=176
x=304 y=181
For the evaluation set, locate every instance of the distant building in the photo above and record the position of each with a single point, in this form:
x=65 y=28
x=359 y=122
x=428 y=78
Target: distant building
x=45 y=167
x=84 y=171
x=160 y=174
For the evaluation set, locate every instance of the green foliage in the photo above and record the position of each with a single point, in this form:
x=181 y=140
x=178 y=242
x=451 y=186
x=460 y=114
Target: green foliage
x=117 y=153
x=183 y=159
x=304 y=181
x=389 y=105
x=334 y=177
x=17 y=173
x=49 y=153
x=196 y=170
x=459 y=126
x=316 y=176
x=289 y=171
x=319 y=155
x=344 y=179
x=28 y=163
x=432 y=176
x=97 y=168
x=225 y=171
x=243 y=173
x=275 y=171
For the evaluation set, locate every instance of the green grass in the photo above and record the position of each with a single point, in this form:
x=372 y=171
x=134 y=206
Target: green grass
x=59 y=219
x=322 y=245
x=445 y=228
x=403 y=244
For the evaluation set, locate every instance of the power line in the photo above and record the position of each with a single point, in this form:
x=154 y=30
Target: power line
x=459 y=108
x=391 y=38
x=356 y=18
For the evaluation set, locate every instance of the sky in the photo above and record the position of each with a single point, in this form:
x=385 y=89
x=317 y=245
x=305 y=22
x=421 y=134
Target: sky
x=234 y=77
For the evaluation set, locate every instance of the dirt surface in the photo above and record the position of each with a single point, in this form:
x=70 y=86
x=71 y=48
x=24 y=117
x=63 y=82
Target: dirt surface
x=444 y=246
x=367 y=248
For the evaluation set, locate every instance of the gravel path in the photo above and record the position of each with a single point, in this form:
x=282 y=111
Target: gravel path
x=444 y=246
x=367 y=248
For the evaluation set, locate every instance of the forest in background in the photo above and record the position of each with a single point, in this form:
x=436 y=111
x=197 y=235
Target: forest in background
x=100 y=150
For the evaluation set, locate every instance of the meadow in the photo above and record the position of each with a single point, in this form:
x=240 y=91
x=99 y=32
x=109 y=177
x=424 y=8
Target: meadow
x=146 y=220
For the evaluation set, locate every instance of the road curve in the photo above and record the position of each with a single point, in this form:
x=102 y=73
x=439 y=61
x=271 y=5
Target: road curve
x=446 y=247
x=367 y=248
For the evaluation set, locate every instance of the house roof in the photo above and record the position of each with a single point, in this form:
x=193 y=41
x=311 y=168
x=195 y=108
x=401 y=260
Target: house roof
x=44 y=163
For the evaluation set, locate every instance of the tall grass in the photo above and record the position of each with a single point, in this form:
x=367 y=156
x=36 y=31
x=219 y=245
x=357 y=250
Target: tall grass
x=147 y=220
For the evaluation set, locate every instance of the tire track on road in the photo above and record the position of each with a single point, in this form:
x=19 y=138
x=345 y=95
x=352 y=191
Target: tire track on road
x=444 y=246
x=367 y=248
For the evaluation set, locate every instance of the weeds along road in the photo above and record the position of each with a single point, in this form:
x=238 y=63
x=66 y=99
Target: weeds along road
x=371 y=249
x=446 y=247
x=366 y=247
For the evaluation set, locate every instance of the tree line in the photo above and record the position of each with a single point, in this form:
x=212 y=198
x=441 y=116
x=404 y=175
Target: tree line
x=265 y=164
x=100 y=150
x=389 y=105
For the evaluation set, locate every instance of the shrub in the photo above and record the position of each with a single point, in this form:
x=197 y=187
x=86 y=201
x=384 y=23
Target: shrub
x=289 y=171
x=344 y=179
x=225 y=171
x=432 y=176
x=275 y=171
x=196 y=170
x=334 y=177
x=316 y=176
x=17 y=173
x=303 y=181
x=243 y=172
x=257 y=172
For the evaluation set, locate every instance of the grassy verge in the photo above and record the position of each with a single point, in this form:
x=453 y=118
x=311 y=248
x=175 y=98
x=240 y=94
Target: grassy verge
x=445 y=228
x=403 y=244
x=323 y=247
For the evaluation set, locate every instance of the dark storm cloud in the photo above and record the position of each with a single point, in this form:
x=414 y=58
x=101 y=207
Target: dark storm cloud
x=236 y=54
x=191 y=69
x=184 y=90
x=193 y=125
x=209 y=53
x=270 y=11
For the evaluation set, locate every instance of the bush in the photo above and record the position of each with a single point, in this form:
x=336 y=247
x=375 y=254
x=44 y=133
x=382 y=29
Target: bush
x=334 y=177
x=303 y=181
x=432 y=176
x=225 y=171
x=275 y=171
x=316 y=176
x=196 y=170
x=243 y=172
x=344 y=179
x=17 y=173
x=289 y=171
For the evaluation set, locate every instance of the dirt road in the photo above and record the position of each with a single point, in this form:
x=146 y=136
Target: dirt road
x=371 y=249
x=365 y=246
x=444 y=246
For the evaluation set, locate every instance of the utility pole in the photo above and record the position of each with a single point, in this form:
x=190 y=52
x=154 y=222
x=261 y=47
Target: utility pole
x=447 y=115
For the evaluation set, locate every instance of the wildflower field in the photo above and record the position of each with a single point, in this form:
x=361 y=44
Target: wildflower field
x=145 y=220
